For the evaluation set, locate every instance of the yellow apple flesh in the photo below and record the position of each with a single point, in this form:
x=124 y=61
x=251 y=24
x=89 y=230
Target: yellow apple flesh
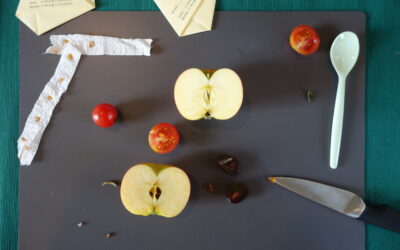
x=158 y=189
x=208 y=94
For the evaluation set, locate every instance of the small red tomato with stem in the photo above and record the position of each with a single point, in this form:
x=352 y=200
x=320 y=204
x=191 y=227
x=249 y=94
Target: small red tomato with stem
x=104 y=115
x=163 y=138
x=304 y=40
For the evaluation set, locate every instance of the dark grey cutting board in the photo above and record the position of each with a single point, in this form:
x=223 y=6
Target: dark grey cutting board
x=277 y=132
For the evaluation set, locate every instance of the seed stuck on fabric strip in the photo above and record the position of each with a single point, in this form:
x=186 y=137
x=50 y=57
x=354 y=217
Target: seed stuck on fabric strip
x=49 y=98
x=37 y=119
x=26 y=147
x=60 y=80
x=91 y=44
x=65 y=41
x=23 y=139
x=70 y=57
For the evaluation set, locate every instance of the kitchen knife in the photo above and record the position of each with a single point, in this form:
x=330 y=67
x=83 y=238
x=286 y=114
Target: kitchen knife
x=342 y=201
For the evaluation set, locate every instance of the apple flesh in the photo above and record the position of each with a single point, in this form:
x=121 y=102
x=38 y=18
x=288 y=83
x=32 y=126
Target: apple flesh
x=208 y=94
x=157 y=189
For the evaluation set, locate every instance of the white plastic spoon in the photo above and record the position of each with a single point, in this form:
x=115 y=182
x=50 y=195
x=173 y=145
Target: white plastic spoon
x=344 y=53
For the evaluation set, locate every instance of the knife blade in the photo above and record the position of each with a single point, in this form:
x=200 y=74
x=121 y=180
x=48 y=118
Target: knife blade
x=342 y=201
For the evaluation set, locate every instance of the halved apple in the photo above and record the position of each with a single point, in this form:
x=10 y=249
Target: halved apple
x=158 y=189
x=208 y=94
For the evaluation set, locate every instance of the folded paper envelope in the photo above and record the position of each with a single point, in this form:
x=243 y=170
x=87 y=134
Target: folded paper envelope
x=188 y=16
x=43 y=15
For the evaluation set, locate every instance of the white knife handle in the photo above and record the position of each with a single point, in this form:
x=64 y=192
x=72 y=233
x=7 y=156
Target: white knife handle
x=337 y=123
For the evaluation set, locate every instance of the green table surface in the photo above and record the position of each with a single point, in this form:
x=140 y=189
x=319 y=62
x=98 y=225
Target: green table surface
x=382 y=101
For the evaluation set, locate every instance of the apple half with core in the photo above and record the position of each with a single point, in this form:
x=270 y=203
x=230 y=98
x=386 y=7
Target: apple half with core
x=157 y=189
x=208 y=94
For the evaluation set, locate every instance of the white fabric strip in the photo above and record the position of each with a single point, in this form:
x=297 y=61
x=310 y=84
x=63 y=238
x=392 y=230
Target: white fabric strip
x=101 y=45
x=38 y=119
x=70 y=47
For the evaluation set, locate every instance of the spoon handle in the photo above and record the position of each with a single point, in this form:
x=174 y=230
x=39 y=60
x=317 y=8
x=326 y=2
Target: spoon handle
x=337 y=123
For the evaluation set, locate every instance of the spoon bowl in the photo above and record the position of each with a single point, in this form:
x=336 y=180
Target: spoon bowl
x=344 y=54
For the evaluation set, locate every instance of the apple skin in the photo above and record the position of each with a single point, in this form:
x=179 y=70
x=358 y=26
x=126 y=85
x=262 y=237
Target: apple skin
x=142 y=179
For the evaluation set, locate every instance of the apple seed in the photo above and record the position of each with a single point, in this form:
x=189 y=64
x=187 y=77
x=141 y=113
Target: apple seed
x=210 y=188
x=155 y=192
x=81 y=224
x=109 y=235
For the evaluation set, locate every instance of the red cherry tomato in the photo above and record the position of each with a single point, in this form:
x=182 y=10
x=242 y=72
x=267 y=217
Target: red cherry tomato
x=304 y=40
x=163 y=138
x=104 y=115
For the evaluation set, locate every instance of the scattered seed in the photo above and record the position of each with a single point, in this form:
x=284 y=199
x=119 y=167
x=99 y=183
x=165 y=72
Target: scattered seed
x=109 y=235
x=309 y=95
x=210 y=188
x=81 y=224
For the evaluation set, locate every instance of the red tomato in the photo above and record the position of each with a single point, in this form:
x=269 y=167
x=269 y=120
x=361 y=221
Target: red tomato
x=104 y=115
x=304 y=40
x=163 y=138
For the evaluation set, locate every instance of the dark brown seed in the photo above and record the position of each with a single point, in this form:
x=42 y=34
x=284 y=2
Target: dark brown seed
x=158 y=193
x=228 y=164
x=155 y=192
x=210 y=188
x=109 y=235
x=81 y=224
x=236 y=193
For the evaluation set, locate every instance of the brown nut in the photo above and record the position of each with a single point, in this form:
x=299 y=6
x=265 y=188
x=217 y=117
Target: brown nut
x=228 y=164
x=236 y=193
